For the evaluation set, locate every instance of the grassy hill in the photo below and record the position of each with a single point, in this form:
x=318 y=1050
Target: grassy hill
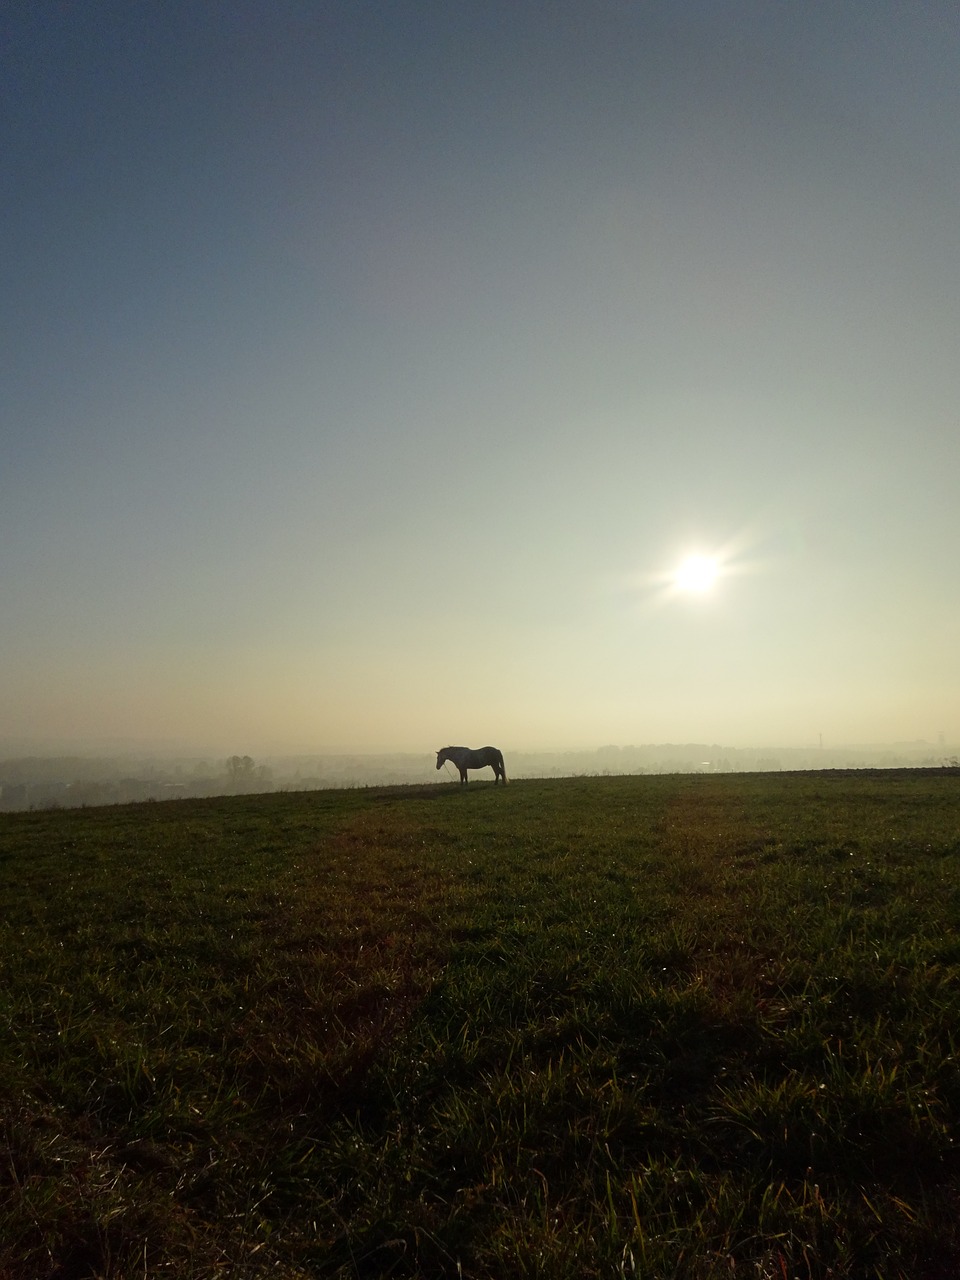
x=685 y=1026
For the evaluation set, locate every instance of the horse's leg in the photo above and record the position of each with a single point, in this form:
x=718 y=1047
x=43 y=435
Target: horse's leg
x=463 y=775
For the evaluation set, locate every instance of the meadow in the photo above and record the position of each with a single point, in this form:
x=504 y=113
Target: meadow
x=673 y=1026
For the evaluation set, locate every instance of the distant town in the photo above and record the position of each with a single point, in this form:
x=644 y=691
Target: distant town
x=44 y=782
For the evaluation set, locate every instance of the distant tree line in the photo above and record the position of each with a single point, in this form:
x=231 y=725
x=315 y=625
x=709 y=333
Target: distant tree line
x=244 y=774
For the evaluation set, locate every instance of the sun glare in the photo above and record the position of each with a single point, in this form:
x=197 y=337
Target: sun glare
x=696 y=574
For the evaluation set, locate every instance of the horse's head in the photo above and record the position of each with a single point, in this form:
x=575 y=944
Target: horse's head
x=441 y=757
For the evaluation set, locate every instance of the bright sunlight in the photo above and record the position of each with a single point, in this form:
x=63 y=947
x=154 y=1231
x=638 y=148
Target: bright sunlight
x=696 y=574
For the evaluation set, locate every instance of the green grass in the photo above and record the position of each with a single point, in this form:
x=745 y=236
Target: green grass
x=656 y=1027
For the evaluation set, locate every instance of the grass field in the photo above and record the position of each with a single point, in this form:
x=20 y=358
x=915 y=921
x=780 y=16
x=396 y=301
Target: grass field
x=679 y=1026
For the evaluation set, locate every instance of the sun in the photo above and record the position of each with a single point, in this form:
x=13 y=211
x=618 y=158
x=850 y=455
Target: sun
x=697 y=574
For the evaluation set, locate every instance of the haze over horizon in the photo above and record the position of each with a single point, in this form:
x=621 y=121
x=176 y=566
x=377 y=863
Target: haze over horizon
x=378 y=377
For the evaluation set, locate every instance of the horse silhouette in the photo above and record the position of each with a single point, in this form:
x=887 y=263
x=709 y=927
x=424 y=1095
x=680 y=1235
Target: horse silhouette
x=465 y=758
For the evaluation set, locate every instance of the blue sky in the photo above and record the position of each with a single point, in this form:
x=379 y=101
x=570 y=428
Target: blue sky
x=369 y=369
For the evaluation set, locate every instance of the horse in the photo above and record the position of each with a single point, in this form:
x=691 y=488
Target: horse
x=464 y=758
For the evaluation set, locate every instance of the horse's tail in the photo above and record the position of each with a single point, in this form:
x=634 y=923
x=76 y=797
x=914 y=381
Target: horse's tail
x=503 y=768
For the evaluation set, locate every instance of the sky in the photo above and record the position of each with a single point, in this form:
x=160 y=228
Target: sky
x=369 y=372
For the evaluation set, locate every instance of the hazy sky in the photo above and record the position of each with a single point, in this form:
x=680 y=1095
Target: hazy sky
x=368 y=370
